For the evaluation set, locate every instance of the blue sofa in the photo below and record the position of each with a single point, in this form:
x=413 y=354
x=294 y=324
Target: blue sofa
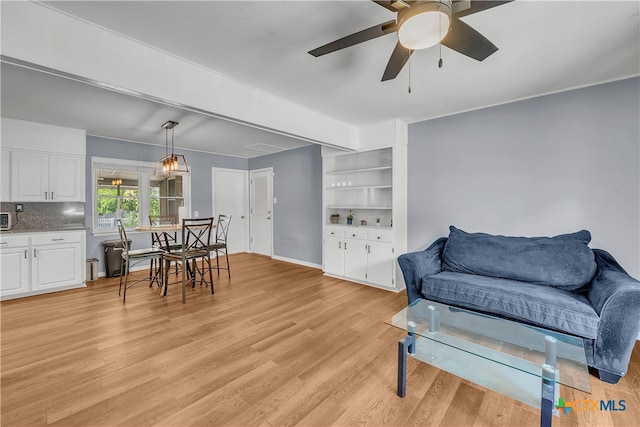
x=557 y=283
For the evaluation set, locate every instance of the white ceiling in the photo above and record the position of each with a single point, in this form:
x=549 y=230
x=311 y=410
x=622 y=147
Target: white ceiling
x=545 y=47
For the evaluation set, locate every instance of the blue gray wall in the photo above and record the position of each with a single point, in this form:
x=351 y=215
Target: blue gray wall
x=297 y=186
x=201 y=193
x=542 y=166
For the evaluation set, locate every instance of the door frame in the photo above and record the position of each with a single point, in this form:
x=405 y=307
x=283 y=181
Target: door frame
x=247 y=201
x=251 y=192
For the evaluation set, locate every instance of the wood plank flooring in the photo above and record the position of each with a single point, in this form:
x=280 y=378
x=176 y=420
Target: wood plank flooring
x=277 y=345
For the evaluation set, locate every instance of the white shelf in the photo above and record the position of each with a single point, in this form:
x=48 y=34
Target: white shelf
x=379 y=168
x=359 y=207
x=362 y=187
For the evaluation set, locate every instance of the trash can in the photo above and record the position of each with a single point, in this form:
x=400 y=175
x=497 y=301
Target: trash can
x=113 y=257
x=92 y=269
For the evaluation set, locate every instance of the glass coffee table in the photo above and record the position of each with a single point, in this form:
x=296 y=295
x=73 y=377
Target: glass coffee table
x=524 y=362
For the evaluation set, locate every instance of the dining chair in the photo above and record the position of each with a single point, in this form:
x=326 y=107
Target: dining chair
x=196 y=239
x=220 y=245
x=165 y=240
x=131 y=257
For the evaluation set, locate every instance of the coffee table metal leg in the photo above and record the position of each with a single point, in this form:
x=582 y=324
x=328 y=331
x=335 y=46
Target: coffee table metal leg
x=405 y=345
x=548 y=391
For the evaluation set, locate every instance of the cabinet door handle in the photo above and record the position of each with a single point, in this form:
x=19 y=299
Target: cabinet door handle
x=25 y=254
x=369 y=249
x=345 y=246
x=4 y=243
x=46 y=195
x=57 y=240
x=52 y=195
x=339 y=245
x=35 y=255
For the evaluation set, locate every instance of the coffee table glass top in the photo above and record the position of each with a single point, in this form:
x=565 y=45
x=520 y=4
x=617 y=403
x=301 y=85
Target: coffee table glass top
x=484 y=348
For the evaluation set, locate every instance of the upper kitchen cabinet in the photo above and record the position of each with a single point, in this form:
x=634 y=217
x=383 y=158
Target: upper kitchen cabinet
x=47 y=163
x=38 y=177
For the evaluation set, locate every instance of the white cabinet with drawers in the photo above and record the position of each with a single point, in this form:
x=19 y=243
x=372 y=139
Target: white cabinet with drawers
x=360 y=254
x=33 y=263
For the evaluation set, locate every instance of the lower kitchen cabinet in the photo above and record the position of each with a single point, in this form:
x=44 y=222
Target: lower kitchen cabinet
x=14 y=263
x=361 y=255
x=48 y=262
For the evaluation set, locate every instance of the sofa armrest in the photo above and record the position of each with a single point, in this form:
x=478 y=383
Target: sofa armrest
x=615 y=296
x=415 y=265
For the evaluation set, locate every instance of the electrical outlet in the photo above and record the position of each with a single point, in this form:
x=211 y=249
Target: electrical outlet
x=19 y=207
x=196 y=214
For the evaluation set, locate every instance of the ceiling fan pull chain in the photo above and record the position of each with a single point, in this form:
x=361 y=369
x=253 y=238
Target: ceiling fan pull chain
x=440 y=45
x=409 y=88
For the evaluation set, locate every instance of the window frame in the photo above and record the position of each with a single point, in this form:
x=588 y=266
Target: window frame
x=145 y=172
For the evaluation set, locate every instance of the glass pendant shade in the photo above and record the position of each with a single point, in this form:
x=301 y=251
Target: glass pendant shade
x=171 y=164
x=424 y=24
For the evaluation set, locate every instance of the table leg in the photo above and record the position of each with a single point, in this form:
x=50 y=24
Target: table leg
x=548 y=391
x=405 y=345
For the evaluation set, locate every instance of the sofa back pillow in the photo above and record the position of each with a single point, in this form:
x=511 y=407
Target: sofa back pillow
x=564 y=262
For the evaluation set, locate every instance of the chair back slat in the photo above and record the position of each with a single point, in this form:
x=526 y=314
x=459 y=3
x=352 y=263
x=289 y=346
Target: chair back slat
x=123 y=235
x=196 y=234
x=222 y=228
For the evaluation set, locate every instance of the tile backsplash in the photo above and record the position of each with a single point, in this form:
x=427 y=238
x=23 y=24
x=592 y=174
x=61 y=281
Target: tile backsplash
x=43 y=216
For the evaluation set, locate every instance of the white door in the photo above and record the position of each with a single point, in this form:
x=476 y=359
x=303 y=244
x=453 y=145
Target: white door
x=230 y=197
x=261 y=230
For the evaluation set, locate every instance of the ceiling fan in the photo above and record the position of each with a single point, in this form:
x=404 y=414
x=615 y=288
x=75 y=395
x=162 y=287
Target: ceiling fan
x=422 y=24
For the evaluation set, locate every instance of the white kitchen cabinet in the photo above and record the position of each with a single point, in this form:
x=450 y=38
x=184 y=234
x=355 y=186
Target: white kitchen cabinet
x=34 y=263
x=56 y=261
x=334 y=255
x=358 y=254
x=39 y=176
x=380 y=263
x=14 y=265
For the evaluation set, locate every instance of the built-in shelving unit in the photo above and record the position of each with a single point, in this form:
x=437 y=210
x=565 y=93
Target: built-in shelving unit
x=360 y=183
x=364 y=249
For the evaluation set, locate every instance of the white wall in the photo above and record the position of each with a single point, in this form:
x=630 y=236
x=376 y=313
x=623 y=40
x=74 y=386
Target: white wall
x=543 y=166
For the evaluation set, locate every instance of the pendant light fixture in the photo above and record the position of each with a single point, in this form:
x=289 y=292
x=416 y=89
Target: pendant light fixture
x=171 y=164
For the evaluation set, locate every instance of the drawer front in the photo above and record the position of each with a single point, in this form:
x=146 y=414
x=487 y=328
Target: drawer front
x=55 y=238
x=355 y=233
x=333 y=232
x=380 y=236
x=13 y=241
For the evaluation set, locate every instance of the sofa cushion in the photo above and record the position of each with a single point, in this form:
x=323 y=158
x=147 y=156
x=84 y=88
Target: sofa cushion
x=544 y=306
x=564 y=261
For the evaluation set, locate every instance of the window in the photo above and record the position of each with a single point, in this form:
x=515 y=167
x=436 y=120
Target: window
x=128 y=190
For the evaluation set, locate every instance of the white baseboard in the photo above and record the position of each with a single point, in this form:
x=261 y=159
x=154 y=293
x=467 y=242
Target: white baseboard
x=297 y=261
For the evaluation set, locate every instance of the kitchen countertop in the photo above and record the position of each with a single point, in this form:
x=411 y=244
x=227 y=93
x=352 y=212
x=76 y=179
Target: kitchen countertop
x=45 y=230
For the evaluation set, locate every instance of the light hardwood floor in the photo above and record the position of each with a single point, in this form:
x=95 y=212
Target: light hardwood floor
x=277 y=345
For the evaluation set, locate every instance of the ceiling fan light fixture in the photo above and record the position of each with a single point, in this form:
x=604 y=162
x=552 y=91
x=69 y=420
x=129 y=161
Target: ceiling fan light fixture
x=424 y=24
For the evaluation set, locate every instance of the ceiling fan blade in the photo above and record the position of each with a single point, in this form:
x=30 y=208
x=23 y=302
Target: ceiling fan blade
x=479 y=6
x=467 y=41
x=393 y=6
x=399 y=57
x=355 y=38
